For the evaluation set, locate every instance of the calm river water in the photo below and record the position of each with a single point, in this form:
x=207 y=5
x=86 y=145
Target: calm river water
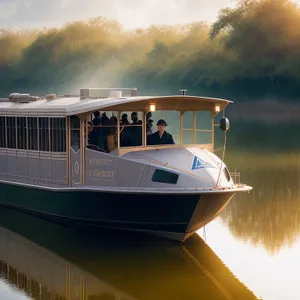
x=251 y=251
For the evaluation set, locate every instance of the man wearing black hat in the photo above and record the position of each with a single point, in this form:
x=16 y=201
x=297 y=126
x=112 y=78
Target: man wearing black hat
x=161 y=136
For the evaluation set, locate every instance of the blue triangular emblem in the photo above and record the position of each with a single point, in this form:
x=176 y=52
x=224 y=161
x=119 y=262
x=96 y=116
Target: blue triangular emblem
x=200 y=164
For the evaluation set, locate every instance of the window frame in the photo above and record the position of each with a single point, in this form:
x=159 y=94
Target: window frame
x=162 y=172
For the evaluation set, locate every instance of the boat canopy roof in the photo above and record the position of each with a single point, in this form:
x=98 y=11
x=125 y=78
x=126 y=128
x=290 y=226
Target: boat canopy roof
x=68 y=105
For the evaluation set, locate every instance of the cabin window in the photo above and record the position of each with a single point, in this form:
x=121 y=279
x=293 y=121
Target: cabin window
x=131 y=129
x=172 y=119
x=58 y=134
x=32 y=133
x=2 y=132
x=11 y=132
x=203 y=120
x=101 y=131
x=75 y=132
x=22 y=132
x=196 y=127
x=44 y=134
x=163 y=176
x=188 y=128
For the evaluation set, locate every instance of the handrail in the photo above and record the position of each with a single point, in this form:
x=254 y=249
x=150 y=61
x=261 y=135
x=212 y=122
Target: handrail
x=236 y=177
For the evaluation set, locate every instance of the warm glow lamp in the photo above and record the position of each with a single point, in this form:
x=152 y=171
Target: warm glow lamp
x=152 y=107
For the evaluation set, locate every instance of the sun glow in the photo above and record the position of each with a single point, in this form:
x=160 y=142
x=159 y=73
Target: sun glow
x=264 y=273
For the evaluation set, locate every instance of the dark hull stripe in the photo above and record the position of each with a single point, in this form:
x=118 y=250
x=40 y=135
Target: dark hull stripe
x=175 y=232
x=98 y=206
x=106 y=224
x=168 y=215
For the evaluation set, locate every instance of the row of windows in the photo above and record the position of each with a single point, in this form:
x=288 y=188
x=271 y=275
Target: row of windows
x=43 y=134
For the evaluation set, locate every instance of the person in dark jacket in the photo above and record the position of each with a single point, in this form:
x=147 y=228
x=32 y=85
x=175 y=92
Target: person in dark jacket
x=97 y=129
x=90 y=133
x=105 y=130
x=136 y=130
x=125 y=133
x=161 y=136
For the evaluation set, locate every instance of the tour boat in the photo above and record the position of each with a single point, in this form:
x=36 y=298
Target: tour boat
x=79 y=158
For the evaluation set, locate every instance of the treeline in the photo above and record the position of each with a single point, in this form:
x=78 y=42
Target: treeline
x=251 y=51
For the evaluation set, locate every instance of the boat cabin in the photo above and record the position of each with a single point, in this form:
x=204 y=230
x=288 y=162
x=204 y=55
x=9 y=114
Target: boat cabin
x=52 y=140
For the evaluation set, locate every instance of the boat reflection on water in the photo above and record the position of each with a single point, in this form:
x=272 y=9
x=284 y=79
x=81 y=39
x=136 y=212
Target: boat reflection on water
x=45 y=260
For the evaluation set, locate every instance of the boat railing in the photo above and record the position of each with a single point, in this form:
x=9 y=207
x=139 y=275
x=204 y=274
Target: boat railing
x=236 y=177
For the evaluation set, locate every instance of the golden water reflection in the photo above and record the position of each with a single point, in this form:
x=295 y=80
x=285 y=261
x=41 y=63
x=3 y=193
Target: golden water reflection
x=270 y=214
x=271 y=277
x=44 y=261
x=258 y=235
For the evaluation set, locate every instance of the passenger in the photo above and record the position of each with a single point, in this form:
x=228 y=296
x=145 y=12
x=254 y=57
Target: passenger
x=125 y=131
x=124 y=120
x=149 y=127
x=105 y=123
x=97 y=119
x=90 y=132
x=112 y=140
x=92 y=138
x=104 y=118
x=148 y=115
x=149 y=131
x=113 y=121
x=97 y=129
x=149 y=123
x=105 y=131
x=134 y=119
x=161 y=136
x=136 y=130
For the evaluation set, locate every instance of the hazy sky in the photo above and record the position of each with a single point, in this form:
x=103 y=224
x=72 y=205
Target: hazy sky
x=130 y=13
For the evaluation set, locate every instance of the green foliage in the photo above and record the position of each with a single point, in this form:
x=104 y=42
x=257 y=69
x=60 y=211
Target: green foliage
x=252 y=49
x=265 y=35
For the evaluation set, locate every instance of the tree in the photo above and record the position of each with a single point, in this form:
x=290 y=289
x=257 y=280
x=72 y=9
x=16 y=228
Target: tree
x=264 y=34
